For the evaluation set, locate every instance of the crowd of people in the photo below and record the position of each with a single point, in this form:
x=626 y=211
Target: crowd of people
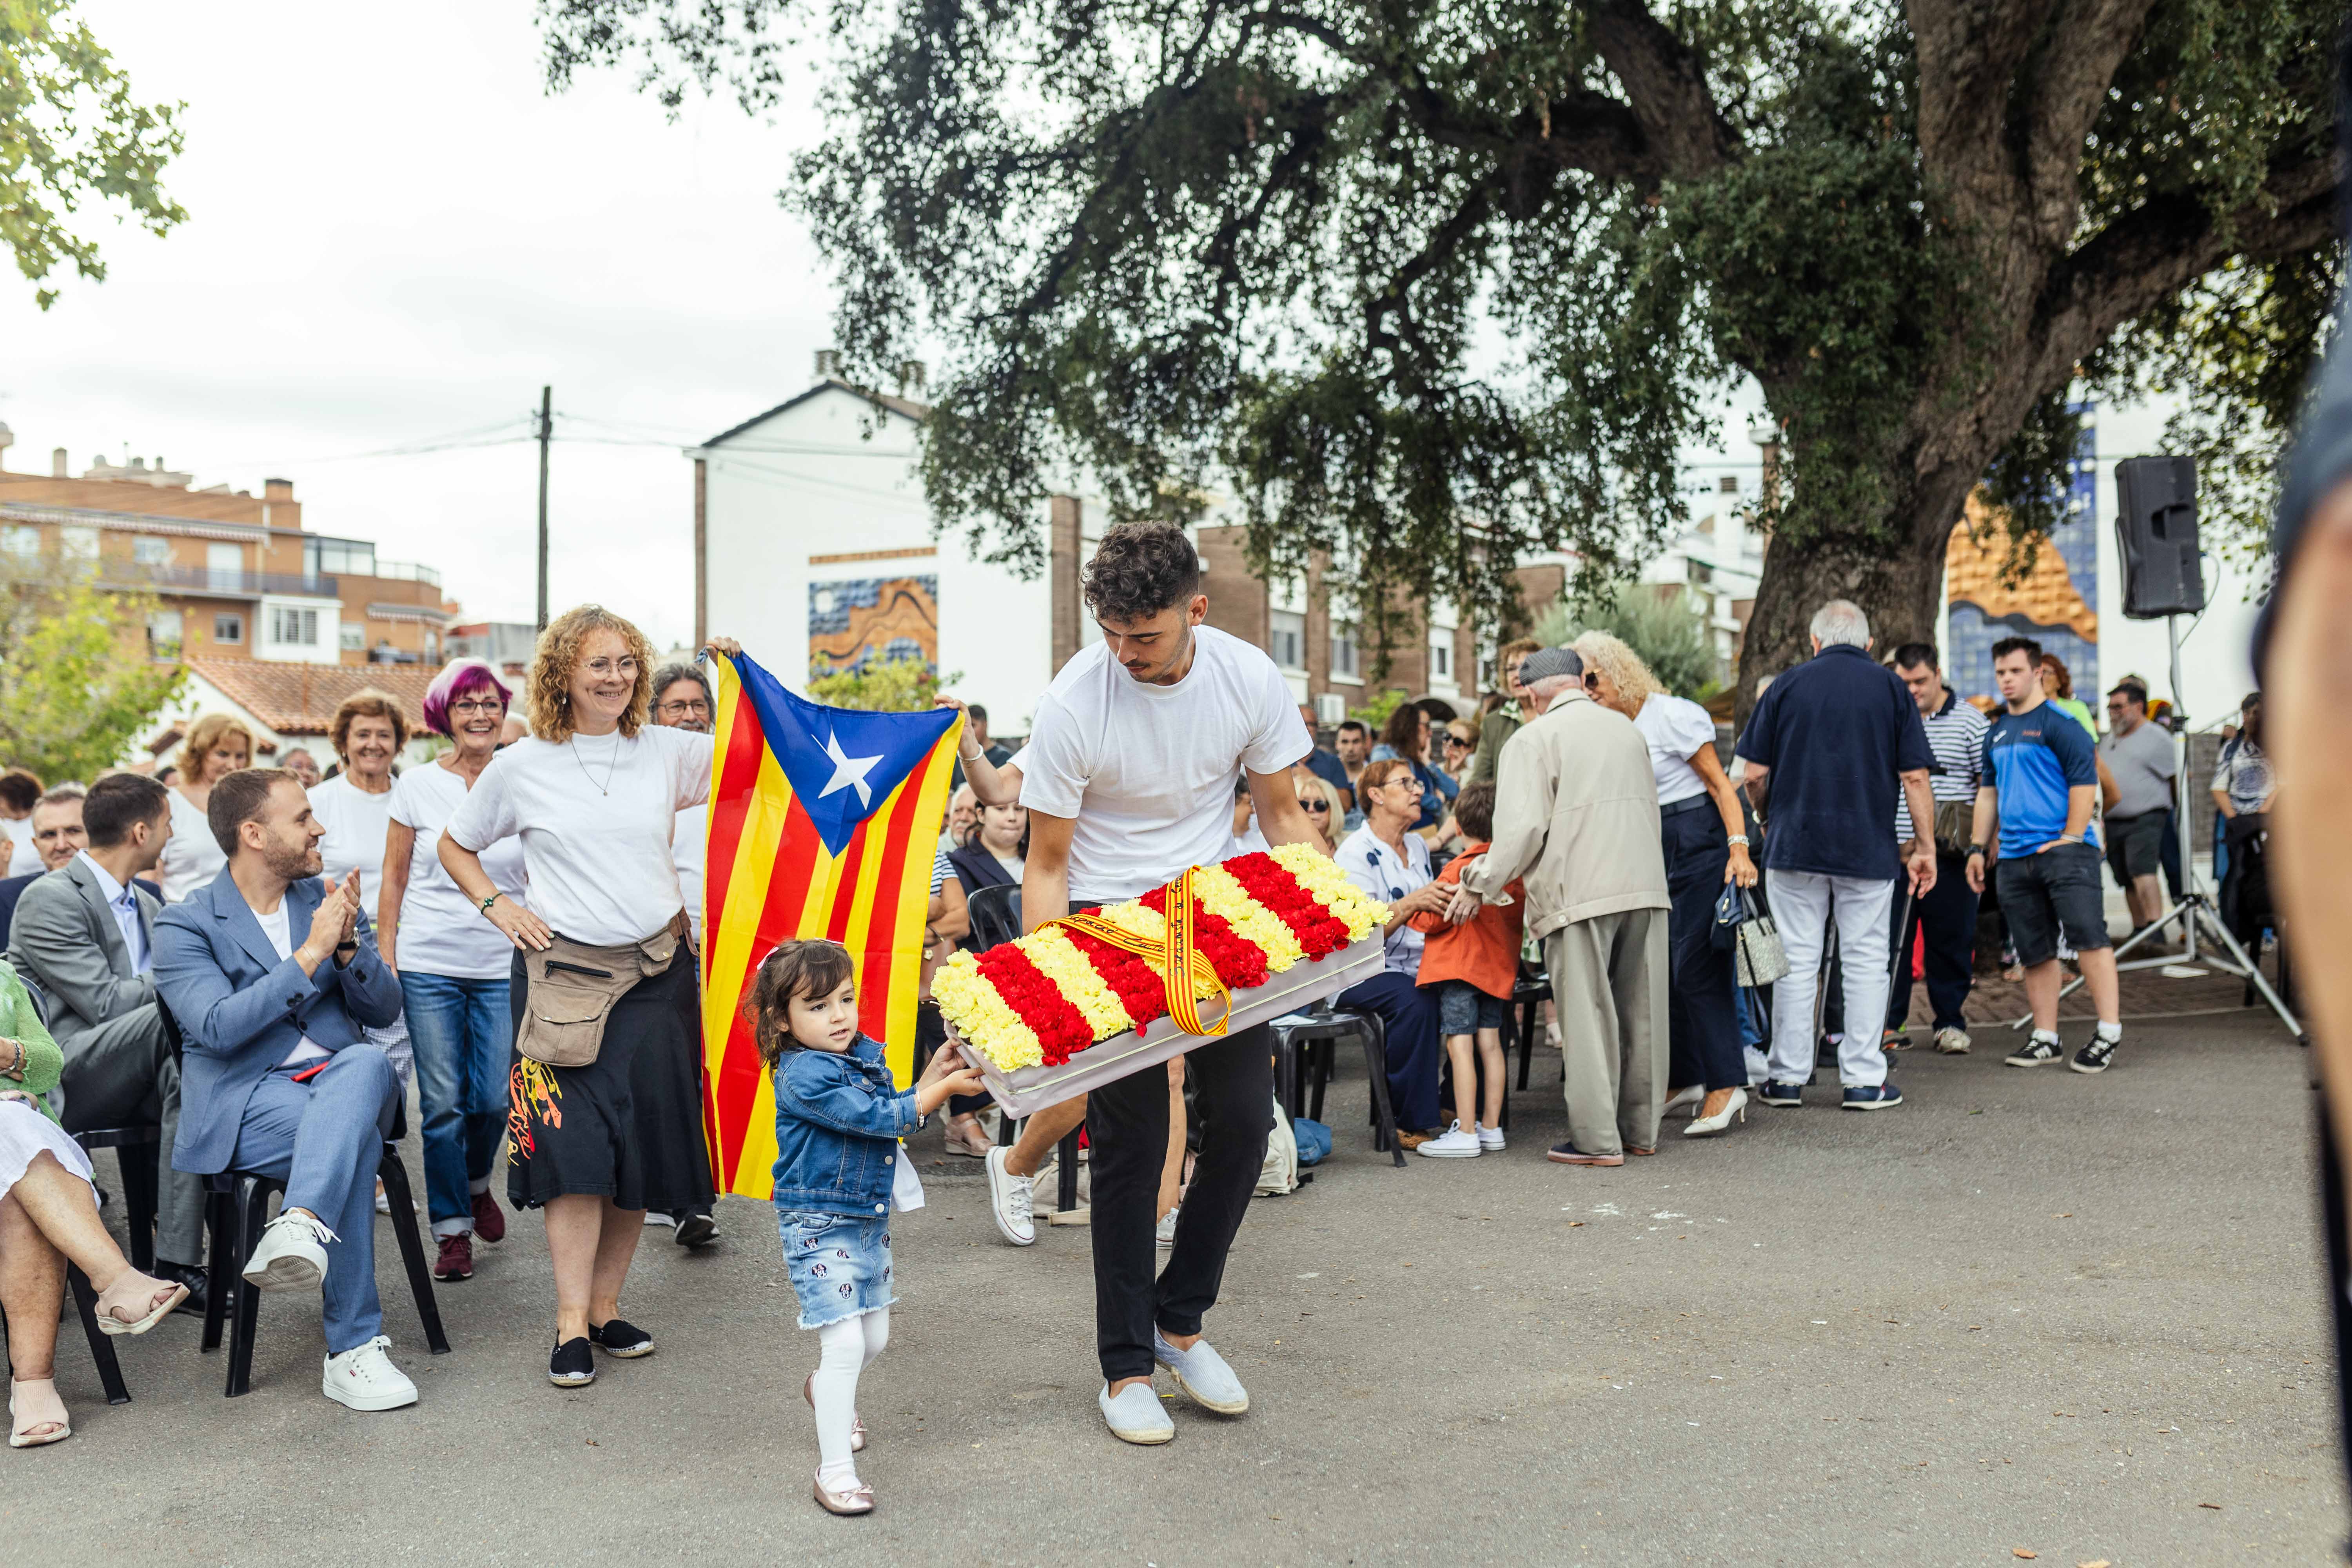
x=258 y=960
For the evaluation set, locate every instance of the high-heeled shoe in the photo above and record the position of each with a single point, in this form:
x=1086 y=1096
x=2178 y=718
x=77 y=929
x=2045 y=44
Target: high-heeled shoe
x=1692 y=1097
x=20 y=1435
x=1734 y=1108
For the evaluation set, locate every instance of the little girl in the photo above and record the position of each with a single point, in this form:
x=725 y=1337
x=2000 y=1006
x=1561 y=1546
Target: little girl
x=838 y=1122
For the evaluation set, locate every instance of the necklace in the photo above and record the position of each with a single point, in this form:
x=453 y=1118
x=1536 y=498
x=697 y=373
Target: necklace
x=605 y=788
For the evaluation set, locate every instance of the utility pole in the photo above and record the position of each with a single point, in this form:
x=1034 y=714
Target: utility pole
x=546 y=434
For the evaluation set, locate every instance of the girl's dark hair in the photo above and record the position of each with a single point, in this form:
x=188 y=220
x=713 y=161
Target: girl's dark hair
x=1403 y=731
x=812 y=969
x=1474 y=810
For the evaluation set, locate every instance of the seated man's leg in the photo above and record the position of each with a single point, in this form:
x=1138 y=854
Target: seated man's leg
x=324 y=1139
x=123 y=1074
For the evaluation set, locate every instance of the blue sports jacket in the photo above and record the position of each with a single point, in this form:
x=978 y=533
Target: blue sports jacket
x=838 y=1122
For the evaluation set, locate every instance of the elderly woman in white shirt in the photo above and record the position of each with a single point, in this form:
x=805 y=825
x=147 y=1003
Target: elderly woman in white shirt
x=595 y=795
x=218 y=745
x=1705 y=842
x=1390 y=861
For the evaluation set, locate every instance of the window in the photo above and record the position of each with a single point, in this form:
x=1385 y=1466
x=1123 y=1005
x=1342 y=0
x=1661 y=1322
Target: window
x=298 y=629
x=354 y=636
x=1728 y=484
x=164 y=633
x=1286 y=639
x=21 y=539
x=151 y=552
x=224 y=567
x=77 y=543
x=1441 y=654
x=228 y=628
x=1343 y=651
x=356 y=557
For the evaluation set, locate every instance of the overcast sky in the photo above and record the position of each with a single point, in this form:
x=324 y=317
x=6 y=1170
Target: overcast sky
x=396 y=234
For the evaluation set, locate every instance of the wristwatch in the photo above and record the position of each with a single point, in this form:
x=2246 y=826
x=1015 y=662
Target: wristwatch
x=1976 y=849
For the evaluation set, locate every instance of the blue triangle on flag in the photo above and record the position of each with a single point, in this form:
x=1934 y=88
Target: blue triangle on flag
x=843 y=763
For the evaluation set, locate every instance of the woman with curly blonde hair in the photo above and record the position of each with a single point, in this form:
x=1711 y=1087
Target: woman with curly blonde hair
x=218 y=744
x=593 y=795
x=1706 y=842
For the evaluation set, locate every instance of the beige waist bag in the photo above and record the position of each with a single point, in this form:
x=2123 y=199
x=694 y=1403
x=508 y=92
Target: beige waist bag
x=572 y=987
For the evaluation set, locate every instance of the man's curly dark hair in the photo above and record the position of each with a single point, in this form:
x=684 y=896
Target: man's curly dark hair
x=1140 y=569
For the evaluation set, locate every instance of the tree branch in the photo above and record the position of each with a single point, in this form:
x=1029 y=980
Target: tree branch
x=2070 y=81
x=1665 y=89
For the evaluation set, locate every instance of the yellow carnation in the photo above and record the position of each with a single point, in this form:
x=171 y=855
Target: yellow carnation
x=983 y=1018
x=1060 y=960
x=1321 y=875
x=1222 y=894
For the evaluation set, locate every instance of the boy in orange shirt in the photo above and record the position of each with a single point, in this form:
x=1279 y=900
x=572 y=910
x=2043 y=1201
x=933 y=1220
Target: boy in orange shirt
x=1472 y=967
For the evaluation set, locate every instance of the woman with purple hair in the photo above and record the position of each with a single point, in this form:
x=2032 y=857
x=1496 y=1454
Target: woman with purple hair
x=453 y=965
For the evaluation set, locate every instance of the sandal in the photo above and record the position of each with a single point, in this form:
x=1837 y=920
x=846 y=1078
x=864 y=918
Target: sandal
x=969 y=1140
x=856 y=1422
x=21 y=1429
x=162 y=1298
x=855 y=1498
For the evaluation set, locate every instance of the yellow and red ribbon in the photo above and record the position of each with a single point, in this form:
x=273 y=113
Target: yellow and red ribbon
x=1177 y=956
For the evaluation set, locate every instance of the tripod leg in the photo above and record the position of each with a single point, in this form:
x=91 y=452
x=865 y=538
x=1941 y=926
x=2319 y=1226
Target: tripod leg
x=2254 y=972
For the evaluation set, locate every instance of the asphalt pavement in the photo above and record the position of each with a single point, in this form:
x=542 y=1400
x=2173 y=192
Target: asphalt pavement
x=2027 y=1313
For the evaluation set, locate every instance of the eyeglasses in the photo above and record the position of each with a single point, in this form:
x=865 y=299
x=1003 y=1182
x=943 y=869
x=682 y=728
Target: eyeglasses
x=1591 y=678
x=693 y=709
x=482 y=705
x=1322 y=805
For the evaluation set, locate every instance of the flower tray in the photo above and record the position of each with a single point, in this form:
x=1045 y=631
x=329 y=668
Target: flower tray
x=1023 y=1091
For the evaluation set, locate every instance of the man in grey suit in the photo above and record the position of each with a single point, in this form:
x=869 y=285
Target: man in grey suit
x=85 y=934
x=273 y=977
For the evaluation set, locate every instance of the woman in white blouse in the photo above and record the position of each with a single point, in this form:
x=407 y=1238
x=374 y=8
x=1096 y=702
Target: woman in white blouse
x=1706 y=841
x=452 y=965
x=355 y=808
x=218 y=745
x=1390 y=861
x=593 y=795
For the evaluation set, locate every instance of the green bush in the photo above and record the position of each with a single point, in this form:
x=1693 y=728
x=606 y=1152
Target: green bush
x=1663 y=628
x=884 y=686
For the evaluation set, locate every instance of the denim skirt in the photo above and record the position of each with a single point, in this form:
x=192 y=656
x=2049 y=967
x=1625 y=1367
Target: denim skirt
x=840 y=1264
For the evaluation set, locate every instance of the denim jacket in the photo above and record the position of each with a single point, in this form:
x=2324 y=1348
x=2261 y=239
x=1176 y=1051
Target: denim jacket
x=838 y=1120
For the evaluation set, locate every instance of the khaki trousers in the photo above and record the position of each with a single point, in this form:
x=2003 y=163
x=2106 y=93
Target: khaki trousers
x=1609 y=987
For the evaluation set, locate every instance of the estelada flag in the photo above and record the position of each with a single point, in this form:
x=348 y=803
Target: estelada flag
x=824 y=823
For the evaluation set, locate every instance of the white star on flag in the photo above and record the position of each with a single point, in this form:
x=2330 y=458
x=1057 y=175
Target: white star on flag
x=848 y=772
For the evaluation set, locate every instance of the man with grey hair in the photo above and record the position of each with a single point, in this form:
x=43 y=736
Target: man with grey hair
x=1576 y=816
x=1827 y=750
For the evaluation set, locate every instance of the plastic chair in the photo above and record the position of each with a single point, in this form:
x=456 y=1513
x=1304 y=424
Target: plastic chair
x=1304 y=1049
x=995 y=915
x=139 y=1151
x=239 y=1209
x=1531 y=990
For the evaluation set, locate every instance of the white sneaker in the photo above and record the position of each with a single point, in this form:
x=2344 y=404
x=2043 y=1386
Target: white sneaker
x=1953 y=1042
x=1166 y=1233
x=1008 y=1200
x=363 y=1378
x=1454 y=1143
x=655 y=1216
x=1490 y=1139
x=292 y=1255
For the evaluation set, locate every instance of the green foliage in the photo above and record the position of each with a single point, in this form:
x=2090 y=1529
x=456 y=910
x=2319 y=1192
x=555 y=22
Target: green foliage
x=1376 y=712
x=884 y=686
x=1664 y=630
x=71 y=703
x=70 y=132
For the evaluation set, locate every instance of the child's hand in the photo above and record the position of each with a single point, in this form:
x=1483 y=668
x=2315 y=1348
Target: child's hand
x=932 y=1093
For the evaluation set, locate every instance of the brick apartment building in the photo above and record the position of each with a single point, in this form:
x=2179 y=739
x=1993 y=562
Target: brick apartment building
x=235 y=575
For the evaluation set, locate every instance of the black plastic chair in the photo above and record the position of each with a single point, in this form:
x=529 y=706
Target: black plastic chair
x=239 y=1209
x=138 y=1152
x=995 y=915
x=1532 y=990
x=1305 y=1046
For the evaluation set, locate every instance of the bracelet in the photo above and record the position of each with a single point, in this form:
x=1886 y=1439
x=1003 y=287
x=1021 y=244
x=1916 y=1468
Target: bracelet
x=485 y=905
x=1976 y=849
x=1738 y=838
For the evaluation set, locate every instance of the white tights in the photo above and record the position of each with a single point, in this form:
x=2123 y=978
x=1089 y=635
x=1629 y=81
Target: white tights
x=845 y=1349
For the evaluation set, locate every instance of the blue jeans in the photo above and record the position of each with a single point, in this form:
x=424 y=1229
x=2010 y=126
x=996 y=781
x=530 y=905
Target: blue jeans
x=464 y=1036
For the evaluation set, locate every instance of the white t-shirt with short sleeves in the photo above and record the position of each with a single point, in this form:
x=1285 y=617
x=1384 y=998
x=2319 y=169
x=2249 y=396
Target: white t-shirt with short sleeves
x=1675 y=728
x=1147 y=771
x=355 y=822
x=278 y=925
x=596 y=815
x=441 y=931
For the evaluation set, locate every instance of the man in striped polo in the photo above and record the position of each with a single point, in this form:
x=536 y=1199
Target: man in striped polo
x=1945 y=914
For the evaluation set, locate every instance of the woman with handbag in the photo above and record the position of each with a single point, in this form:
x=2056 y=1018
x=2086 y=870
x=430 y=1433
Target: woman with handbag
x=605 y=1118
x=1704 y=837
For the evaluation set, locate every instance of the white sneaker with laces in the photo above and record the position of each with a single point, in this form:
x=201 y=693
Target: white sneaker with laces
x=1009 y=1199
x=292 y=1254
x=1454 y=1143
x=1490 y=1139
x=363 y=1378
x=1166 y=1232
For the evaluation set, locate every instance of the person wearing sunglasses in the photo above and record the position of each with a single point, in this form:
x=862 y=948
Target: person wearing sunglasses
x=1320 y=802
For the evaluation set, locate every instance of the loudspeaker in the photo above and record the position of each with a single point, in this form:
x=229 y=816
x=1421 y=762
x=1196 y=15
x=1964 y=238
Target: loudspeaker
x=2156 y=536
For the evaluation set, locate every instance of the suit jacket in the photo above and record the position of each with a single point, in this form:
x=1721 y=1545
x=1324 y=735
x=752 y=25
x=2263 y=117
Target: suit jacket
x=11 y=889
x=65 y=938
x=1576 y=814
x=242 y=1009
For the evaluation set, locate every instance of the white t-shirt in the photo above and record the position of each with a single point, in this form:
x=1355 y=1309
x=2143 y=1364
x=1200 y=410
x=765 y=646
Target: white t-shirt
x=192 y=856
x=356 y=823
x=1378 y=871
x=689 y=846
x=279 y=927
x=596 y=815
x=441 y=931
x=1147 y=771
x=1675 y=728
x=23 y=858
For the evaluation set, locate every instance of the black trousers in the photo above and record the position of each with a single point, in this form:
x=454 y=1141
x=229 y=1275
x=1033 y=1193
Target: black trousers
x=1231 y=1085
x=1701 y=1023
x=1948 y=916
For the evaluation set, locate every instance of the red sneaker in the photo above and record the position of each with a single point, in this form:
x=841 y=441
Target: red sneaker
x=490 y=1224
x=457 y=1259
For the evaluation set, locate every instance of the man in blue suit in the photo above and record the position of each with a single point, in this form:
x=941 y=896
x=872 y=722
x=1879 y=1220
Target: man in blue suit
x=272 y=976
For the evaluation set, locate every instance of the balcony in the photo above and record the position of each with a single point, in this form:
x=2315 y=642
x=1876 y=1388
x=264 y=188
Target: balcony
x=216 y=582
x=408 y=571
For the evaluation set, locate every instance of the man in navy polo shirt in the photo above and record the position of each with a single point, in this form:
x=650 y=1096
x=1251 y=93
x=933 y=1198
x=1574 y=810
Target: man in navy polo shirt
x=1826 y=750
x=2041 y=782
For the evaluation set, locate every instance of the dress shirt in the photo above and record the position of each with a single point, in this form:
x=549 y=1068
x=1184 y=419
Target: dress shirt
x=124 y=903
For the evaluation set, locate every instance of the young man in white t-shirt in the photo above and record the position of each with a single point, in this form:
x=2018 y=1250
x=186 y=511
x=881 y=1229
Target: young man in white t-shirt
x=1128 y=778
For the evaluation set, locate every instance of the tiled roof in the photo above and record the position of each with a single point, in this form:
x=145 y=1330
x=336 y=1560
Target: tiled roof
x=2044 y=594
x=301 y=699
